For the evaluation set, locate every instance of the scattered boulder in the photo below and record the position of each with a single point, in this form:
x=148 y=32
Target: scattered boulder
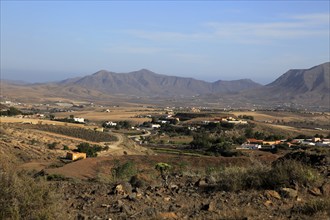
x=123 y=189
x=289 y=193
x=174 y=187
x=121 y=207
x=150 y=212
x=268 y=203
x=81 y=217
x=201 y=182
x=315 y=191
x=132 y=197
x=325 y=189
x=105 y=205
x=137 y=181
x=211 y=206
x=167 y=215
x=211 y=180
x=272 y=194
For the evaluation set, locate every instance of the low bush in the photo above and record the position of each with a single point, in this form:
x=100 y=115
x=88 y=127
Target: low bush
x=242 y=178
x=307 y=157
x=10 y=112
x=22 y=197
x=56 y=177
x=137 y=181
x=90 y=150
x=284 y=174
x=52 y=146
x=288 y=172
x=313 y=207
x=123 y=171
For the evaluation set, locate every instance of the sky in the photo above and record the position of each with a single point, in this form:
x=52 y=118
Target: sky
x=207 y=40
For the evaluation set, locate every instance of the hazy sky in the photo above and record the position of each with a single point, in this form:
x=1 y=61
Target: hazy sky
x=208 y=40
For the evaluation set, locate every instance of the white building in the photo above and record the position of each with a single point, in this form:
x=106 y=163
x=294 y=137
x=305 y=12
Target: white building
x=250 y=146
x=110 y=123
x=80 y=120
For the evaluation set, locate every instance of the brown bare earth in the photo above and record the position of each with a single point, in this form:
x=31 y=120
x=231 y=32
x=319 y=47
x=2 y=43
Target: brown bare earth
x=123 y=182
x=115 y=114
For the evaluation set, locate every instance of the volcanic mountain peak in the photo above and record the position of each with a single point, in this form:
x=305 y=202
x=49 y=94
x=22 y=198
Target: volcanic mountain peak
x=303 y=80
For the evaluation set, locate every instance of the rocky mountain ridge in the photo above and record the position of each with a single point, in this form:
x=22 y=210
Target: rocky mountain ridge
x=145 y=82
x=297 y=87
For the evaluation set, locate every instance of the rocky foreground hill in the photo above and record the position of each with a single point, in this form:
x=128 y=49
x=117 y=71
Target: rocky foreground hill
x=37 y=183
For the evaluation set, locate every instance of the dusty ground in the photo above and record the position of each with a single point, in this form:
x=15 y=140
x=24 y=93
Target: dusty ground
x=192 y=192
x=33 y=144
x=90 y=189
x=286 y=116
x=115 y=114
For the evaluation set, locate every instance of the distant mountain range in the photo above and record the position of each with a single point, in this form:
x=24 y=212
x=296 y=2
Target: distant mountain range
x=306 y=87
x=145 y=82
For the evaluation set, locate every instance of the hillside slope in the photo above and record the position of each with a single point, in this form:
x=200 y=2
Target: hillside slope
x=147 y=83
x=306 y=87
x=302 y=88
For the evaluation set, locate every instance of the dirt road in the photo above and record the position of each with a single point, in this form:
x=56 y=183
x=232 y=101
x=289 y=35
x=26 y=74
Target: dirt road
x=114 y=148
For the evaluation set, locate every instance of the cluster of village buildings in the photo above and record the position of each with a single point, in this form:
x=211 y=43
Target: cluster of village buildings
x=254 y=144
x=228 y=120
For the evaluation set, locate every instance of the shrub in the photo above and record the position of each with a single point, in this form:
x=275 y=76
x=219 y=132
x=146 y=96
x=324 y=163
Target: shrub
x=182 y=166
x=225 y=149
x=200 y=141
x=52 y=146
x=22 y=197
x=288 y=172
x=249 y=117
x=231 y=178
x=56 y=177
x=123 y=171
x=242 y=178
x=258 y=176
x=10 y=112
x=34 y=141
x=313 y=207
x=136 y=181
x=91 y=151
x=306 y=157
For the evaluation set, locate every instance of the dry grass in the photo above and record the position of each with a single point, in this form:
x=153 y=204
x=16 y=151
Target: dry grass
x=115 y=114
x=286 y=116
x=24 y=197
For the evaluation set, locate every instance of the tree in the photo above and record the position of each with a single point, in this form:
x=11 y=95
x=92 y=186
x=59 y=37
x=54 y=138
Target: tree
x=248 y=133
x=221 y=147
x=164 y=169
x=91 y=151
x=154 y=120
x=200 y=141
x=52 y=146
x=11 y=111
x=259 y=135
x=239 y=140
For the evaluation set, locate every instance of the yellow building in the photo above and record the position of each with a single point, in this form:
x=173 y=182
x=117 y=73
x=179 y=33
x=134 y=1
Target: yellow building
x=75 y=155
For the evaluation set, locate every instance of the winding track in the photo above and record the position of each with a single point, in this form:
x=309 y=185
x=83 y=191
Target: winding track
x=114 y=147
